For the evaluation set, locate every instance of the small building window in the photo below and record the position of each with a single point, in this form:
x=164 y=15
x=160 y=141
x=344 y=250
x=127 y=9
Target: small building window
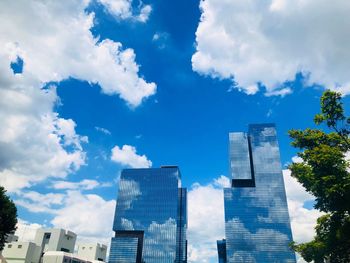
x=9 y=246
x=19 y=246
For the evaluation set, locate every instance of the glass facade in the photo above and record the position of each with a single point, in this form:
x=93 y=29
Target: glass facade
x=239 y=156
x=150 y=218
x=221 y=245
x=257 y=222
x=126 y=244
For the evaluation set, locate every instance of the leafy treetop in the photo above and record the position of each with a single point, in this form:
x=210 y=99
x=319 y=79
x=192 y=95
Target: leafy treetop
x=325 y=172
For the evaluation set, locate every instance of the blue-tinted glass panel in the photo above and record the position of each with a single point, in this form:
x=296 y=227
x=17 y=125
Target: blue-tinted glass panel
x=239 y=156
x=257 y=223
x=221 y=246
x=151 y=201
x=181 y=238
x=123 y=250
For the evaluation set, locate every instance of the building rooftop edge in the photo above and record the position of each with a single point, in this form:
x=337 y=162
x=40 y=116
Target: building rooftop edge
x=154 y=168
x=252 y=125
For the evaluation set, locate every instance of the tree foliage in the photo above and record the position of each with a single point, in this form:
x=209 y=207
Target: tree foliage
x=8 y=217
x=325 y=173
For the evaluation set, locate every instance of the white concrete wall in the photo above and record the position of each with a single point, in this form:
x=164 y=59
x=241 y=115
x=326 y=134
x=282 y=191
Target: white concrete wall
x=92 y=251
x=21 y=252
x=59 y=239
x=50 y=257
x=58 y=257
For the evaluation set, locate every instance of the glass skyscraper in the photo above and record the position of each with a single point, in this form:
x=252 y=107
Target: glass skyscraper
x=221 y=246
x=150 y=220
x=257 y=222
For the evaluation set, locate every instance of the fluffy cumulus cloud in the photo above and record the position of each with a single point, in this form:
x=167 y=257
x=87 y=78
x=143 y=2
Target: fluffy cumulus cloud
x=55 y=47
x=268 y=42
x=54 y=41
x=127 y=156
x=205 y=220
x=123 y=9
x=303 y=220
x=37 y=202
x=88 y=215
x=85 y=184
x=36 y=143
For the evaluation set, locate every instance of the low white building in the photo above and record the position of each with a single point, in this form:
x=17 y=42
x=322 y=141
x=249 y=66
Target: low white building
x=21 y=252
x=92 y=251
x=53 y=246
x=62 y=257
x=9 y=238
x=46 y=239
x=54 y=239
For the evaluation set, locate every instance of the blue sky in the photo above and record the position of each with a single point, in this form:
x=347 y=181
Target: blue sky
x=168 y=79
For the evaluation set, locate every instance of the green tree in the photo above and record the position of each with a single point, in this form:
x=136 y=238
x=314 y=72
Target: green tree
x=8 y=216
x=325 y=173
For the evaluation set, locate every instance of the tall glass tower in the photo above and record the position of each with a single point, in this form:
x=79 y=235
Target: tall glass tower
x=150 y=220
x=257 y=222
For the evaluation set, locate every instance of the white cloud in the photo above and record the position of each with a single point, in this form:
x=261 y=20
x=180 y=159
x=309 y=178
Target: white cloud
x=144 y=13
x=36 y=202
x=268 y=42
x=103 y=130
x=222 y=181
x=205 y=220
x=89 y=216
x=123 y=9
x=160 y=39
x=281 y=92
x=119 y=8
x=36 y=143
x=85 y=184
x=63 y=46
x=294 y=190
x=303 y=220
x=297 y=159
x=127 y=156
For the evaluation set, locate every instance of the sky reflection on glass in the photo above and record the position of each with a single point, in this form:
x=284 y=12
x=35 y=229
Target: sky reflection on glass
x=150 y=200
x=256 y=217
